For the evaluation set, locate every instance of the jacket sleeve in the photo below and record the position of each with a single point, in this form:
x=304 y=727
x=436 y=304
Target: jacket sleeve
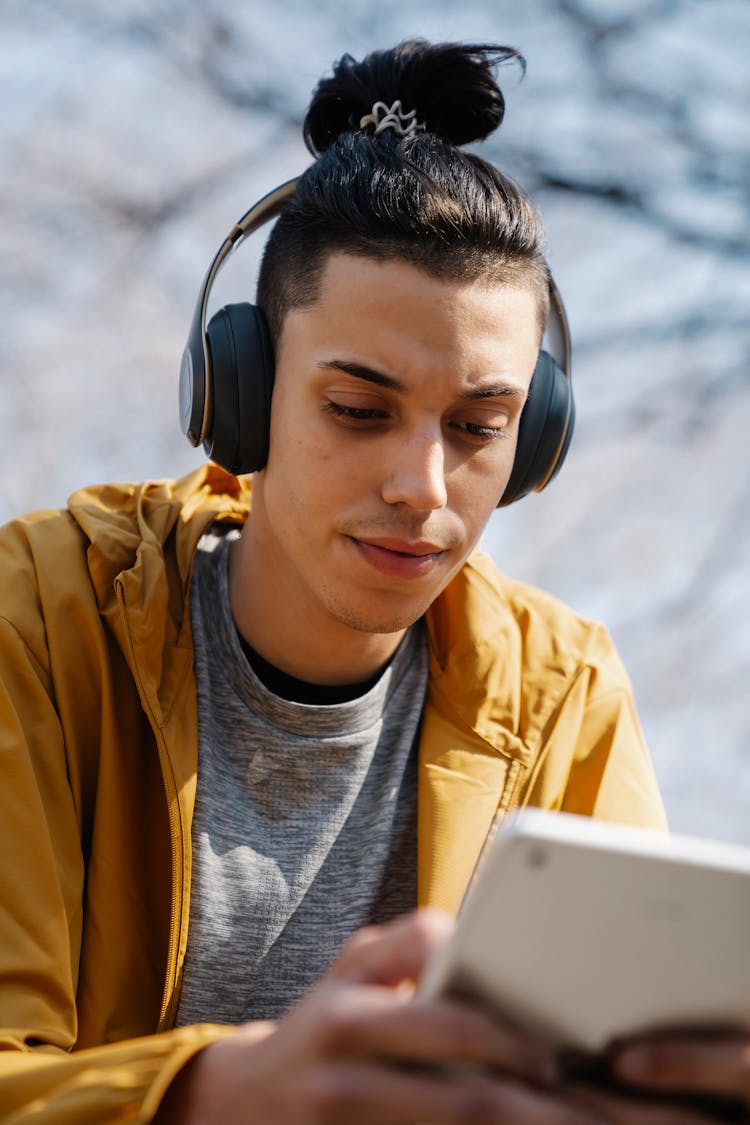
x=115 y=1083
x=594 y=760
x=44 y=839
x=42 y=873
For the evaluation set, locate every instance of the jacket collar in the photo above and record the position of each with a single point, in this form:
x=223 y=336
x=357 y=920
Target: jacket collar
x=143 y=539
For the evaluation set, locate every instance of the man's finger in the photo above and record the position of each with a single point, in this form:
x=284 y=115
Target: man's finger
x=371 y=1095
x=395 y=952
x=710 y=1065
x=369 y=1022
x=634 y=1111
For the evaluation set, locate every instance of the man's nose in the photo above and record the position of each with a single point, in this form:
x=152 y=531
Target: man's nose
x=415 y=474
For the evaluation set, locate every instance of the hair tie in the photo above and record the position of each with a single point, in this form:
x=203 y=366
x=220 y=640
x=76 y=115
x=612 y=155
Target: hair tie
x=394 y=118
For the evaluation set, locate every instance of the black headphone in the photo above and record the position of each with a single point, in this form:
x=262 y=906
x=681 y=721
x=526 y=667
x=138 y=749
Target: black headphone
x=227 y=371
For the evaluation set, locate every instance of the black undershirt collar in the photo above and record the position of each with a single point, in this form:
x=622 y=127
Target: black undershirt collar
x=300 y=691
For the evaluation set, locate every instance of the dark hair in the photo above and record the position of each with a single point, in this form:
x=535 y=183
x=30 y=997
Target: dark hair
x=417 y=197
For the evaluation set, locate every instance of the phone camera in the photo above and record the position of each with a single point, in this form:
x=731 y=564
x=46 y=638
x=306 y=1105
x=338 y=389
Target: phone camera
x=537 y=856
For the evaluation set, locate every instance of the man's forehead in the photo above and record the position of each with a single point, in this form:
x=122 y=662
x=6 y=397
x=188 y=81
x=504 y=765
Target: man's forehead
x=348 y=279
x=389 y=325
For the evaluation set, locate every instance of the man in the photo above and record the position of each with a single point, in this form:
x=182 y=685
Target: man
x=235 y=732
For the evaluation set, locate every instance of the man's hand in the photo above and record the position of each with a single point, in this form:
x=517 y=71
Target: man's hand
x=696 y=1079
x=709 y=1065
x=361 y=1049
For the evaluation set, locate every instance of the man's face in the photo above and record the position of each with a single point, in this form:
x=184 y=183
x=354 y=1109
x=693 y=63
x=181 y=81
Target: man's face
x=393 y=429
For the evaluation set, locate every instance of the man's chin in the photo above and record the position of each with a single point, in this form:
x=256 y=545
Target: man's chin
x=383 y=607
x=379 y=619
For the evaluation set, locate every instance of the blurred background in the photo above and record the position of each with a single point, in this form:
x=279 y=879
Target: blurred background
x=134 y=134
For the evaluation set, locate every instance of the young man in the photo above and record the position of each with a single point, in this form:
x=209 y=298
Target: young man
x=240 y=722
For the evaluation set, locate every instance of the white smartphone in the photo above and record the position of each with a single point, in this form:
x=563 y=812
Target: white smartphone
x=585 y=933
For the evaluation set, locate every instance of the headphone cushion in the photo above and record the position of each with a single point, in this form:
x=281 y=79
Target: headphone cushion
x=242 y=369
x=544 y=431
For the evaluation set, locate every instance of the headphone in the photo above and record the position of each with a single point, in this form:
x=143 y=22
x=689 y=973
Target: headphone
x=227 y=372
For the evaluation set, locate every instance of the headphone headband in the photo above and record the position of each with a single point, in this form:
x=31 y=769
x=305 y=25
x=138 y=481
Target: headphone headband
x=196 y=352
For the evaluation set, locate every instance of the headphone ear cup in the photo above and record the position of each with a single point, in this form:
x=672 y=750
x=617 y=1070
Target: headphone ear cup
x=544 y=431
x=241 y=374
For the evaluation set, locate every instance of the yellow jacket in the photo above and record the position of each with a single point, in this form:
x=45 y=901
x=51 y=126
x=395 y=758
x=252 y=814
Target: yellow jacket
x=527 y=703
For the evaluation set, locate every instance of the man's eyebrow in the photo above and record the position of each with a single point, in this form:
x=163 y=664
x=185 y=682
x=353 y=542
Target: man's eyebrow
x=370 y=375
x=360 y=371
x=496 y=390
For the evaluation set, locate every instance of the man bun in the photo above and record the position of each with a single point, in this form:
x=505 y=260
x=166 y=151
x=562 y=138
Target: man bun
x=451 y=86
x=391 y=191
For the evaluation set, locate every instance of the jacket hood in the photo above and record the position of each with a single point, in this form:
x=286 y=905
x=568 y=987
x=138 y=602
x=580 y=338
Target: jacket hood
x=142 y=540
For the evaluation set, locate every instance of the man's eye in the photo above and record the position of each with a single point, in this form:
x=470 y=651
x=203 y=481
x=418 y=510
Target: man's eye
x=481 y=430
x=354 y=413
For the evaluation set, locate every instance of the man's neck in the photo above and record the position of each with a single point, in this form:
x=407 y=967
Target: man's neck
x=317 y=651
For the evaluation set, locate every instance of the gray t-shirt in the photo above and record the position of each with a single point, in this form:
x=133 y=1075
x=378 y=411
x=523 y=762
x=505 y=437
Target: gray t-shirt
x=305 y=816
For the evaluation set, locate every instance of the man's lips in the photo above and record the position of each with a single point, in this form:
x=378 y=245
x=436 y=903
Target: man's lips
x=417 y=548
x=399 y=557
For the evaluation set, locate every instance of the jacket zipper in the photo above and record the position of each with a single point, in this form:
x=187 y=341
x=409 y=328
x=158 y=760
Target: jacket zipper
x=175 y=835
